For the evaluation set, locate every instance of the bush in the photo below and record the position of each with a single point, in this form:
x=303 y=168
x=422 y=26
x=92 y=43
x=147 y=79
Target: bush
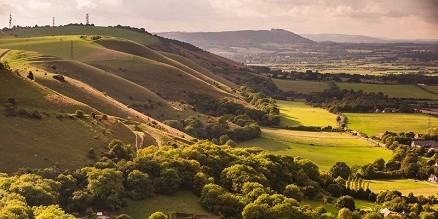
x=158 y=215
x=59 y=78
x=104 y=117
x=80 y=114
x=30 y=76
x=11 y=101
x=293 y=191
x=346 y=202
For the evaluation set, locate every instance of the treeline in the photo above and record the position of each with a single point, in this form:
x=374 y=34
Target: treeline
x=310 y=75
x=263 y=115
x=219 y=131
x=231 y=182
x=336 y=100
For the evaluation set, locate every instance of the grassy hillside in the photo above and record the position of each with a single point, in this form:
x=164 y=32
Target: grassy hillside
x=398 y=91
x=142 y=38
x=374 y=123
x=50 y=140
x=305 y=87
x=298 y=113
x=323 y=148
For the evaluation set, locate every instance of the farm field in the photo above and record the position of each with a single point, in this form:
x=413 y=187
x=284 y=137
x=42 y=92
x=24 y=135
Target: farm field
x=295 y=113
x=323 y=148
x=432 y=88
x=305 y=87
x=182 y=202
x=405 y=186
x=397 y=91
x=374 y=123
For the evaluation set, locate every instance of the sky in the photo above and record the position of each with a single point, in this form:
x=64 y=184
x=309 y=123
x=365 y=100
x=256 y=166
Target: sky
x=396 y=19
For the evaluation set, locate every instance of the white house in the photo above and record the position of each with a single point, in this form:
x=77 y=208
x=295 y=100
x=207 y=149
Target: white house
x=432 y=178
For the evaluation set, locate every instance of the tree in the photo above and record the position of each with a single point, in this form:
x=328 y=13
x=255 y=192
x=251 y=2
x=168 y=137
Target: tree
x=346 y=201
x=35 y=189
x=120 y=150
x=139 y=185
x=168 y=182
x=158 y=215
x=106 y=187
x=344 y=213
x=293 y=191
x=340 y=169
x=49 y=212
x=235 y=176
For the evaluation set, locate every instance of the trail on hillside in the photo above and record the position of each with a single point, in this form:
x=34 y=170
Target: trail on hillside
x=2 y=56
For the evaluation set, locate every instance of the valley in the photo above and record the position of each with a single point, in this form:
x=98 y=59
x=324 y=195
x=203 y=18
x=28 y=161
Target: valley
x=117 y=120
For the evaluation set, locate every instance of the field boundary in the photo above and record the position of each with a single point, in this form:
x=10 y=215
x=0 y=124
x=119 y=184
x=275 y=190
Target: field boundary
x=429 y=91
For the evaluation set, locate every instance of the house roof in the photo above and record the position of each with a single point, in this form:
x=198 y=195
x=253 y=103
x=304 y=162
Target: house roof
x=425 y=143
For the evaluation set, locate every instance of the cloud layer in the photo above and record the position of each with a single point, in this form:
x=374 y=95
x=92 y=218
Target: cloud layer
x=401 y=19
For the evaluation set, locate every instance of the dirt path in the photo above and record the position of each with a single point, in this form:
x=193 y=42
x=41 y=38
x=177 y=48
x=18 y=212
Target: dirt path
x=4 y=55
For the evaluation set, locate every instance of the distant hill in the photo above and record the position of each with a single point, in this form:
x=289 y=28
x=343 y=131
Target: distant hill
x=346 y=38
x=343 y=38
x=242 y=38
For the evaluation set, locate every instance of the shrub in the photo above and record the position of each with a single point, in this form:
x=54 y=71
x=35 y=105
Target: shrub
x=158 y=215
x=346 y=202
x=59 y=78
x=30 y=76
x=293 y=191
x=104 y=117
x=80 y=114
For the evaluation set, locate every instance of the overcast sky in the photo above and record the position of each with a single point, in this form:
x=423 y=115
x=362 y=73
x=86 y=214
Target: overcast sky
x=398 y=19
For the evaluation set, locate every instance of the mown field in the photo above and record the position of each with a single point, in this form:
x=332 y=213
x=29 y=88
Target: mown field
x=181 y=201
x=330 y=207
x=397 y=91
x=405 y=186
x=295 y=113
x=323 y=148
x=374 y=123
x=305 y=87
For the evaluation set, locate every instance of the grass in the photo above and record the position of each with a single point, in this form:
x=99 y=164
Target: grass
x=298 y=113
x=42 y=143
x=181 y=201
x=374 y=123
x=305 y=87
x=144 y=39
x=405 y=186
x=360 y=204
x=397 y=91
x=323 y=148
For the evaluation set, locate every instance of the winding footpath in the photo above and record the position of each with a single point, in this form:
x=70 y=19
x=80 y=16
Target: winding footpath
x=4 y=55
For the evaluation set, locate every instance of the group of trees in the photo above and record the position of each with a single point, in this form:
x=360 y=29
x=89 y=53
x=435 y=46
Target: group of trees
x=231 y=182
x=225 y=130
x=354 y=78
x=336 y=100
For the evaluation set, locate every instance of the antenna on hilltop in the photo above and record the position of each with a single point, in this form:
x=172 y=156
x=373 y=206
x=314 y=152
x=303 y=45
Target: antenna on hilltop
x=10 y=21
x=53 y=22
x=87 y=19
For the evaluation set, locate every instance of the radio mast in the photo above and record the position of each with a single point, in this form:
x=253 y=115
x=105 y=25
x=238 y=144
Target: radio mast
x=10 y=21
x=53 y=22
x=87 y=19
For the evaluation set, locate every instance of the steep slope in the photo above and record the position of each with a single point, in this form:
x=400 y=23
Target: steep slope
x=38 y=130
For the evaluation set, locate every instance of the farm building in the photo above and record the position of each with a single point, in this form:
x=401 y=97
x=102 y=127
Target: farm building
x=425 y=144
x=101 y=215
x=386 y=212
x=432 y=178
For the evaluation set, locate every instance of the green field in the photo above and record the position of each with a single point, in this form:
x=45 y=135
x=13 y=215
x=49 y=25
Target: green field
x=305 y=87
x=298 y=113
x=360 y=204
x=323 y=148
x=374 y=123
x=397 y=91
x=181 y=201
x=405 y=186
